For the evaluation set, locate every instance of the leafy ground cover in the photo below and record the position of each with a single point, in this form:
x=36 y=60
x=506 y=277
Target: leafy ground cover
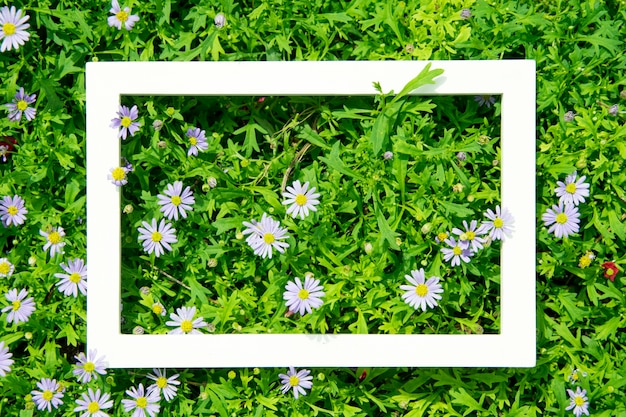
x=376 y=214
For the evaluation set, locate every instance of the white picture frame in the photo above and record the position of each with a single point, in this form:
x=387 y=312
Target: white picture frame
x=514 y=346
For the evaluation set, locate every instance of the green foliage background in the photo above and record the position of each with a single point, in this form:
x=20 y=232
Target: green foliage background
x=580 y=314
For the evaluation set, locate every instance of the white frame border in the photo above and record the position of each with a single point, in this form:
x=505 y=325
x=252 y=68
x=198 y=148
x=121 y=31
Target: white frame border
x=514 y=346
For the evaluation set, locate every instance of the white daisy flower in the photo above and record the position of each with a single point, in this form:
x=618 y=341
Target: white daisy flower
x=197 y=141
x=456 y=252
x=155 y=239
x=12 y=210
x=184 y=322
x=176 y=201
x=119 y=176
x=5 y=359
x=121 y=17
x=499 y=224
x=6 y=268
x=572 y=191
x=470 y=237
x=89 y=366
x=301 y=199
x=21 y=106
x=20 y=308
x=49 y=396
x=13 y=28
x=297 y=381
x=163 y=384
x=303 y=298
x=421 y=293
x=158 y=309
x=563 y=219
x=54 y=240
x=92 y=403
x=578 y=402
x=142 y=402
x=265 y=235
x=74 y=279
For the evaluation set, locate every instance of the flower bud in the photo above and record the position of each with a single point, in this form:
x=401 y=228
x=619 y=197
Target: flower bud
x=128 y=208
x=569 y=116
x=138 y=330
x=162 y=144
x=157 y=125
x=212 y=181
x=388 y=155
x=220 y=20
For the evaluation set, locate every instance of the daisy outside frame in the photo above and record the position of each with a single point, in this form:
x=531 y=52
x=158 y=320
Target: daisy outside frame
x=514 y=346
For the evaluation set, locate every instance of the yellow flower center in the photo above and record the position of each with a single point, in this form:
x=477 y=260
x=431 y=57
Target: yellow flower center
x=442 y=236
x=561 y=218
x=47 y=395
x=16 y=305
x=156 y=237
x=303 y=294
x=470 y=235
x=579 y=401
x=301 y=199
x=142 y=402
x=122 y=16
x=176 y=200
x=193 y=140
x=12 y=210
x=498 y=223
x=571 y=188
x=93 y=407
x=421 y=290
x=54 y=237
x=8 y=29
x=161 y=382
x=126 y=120
x=457 y=250
x=294 y=381
x=575 y=376
x=4 y=268
x=89 y=367
x=186 y=326
x=609 y=272
x=268 y=238
x=157 y=309
x=118 y=174
x=584 y=261
x=75 y=277
x=22 y=105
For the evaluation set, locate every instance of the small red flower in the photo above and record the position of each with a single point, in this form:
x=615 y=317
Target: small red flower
x=7 y=144
x=610 y=270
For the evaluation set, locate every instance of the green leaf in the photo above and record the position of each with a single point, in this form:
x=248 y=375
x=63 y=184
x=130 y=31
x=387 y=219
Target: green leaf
x=455 y=209
x=462 y=397
x=268 y=402
x=250 y=142
x=311 y=136
x=608 y=329
x=385 y=230
x=383 y=125
x=426 y=76
x=334 y=161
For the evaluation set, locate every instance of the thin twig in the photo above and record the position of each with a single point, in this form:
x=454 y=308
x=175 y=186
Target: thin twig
x=293 y=163
x=173 y=279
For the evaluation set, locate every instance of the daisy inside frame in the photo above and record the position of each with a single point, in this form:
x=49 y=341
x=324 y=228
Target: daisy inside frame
x=513 y=80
